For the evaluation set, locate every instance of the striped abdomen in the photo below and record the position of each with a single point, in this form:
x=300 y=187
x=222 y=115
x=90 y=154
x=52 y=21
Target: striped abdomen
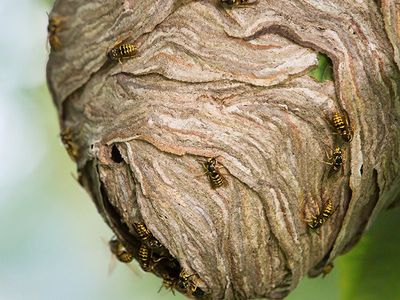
x=142 y=231
x=321 y=218
x=216 y=179
x=328 y=210
x=342 y=127
x=122 y=51
x=338 y=122
x=211 y=168
x=144 y=257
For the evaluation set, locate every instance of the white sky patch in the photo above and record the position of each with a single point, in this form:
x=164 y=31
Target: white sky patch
x=23 y=62
x=23 y=143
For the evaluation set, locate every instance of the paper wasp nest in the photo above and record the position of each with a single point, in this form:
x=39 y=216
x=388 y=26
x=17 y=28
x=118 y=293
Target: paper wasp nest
x=232 y=83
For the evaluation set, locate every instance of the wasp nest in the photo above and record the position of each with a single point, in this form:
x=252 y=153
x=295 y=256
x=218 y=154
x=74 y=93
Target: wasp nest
x=198 y=122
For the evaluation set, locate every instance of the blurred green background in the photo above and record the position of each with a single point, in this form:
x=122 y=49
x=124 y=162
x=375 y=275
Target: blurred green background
x=52 y=239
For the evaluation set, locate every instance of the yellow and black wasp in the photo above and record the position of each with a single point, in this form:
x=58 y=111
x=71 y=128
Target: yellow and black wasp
x=237 y=3
x=335 y=159
x=121 y=51
x=70 y=146
x=317 y=221
x=56 y=24
x=119 y=250
x=144 y=258
x=169 y=270
x=176 y=278
x=327 y=269
x=187 y=284
x=342 y=126
x=211 y=168
x=142 y=231
x=168 y=283
x=146 y=237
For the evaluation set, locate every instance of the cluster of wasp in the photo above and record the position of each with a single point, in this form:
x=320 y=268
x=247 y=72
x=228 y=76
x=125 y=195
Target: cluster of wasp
x=151 y=254
x=335 y=161
x=154 y=257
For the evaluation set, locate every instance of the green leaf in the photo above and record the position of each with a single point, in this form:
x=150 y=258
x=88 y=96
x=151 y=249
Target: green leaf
x=324 y=69
x=326 y=288
x=371 y=269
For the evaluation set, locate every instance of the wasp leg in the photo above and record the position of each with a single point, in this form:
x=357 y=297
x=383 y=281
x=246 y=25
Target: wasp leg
x=344 y=159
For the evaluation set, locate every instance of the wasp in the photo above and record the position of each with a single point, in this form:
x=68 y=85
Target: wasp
x=168 y=283
x=327 y=269
x=119 y=250
x=70 y=146
x=144 y=257
x=142 y=231
x=321 y=217
x=121 y=51
x=187 y=284
x=211 y=168
x=154 y=243
x=55 y=25
x=237 y=3
x=342 y=125
x=335 y=159
x=183 y=282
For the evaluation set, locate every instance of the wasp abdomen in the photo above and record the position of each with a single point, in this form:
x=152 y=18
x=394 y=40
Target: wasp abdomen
x=144 y=258
x=122 y=51
x=318 y=220
x=211 y=169
x=142 y=231
x=120 y=252
x=342 y=127
x=216 y=179
x=327 y=212
x=125 y=257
